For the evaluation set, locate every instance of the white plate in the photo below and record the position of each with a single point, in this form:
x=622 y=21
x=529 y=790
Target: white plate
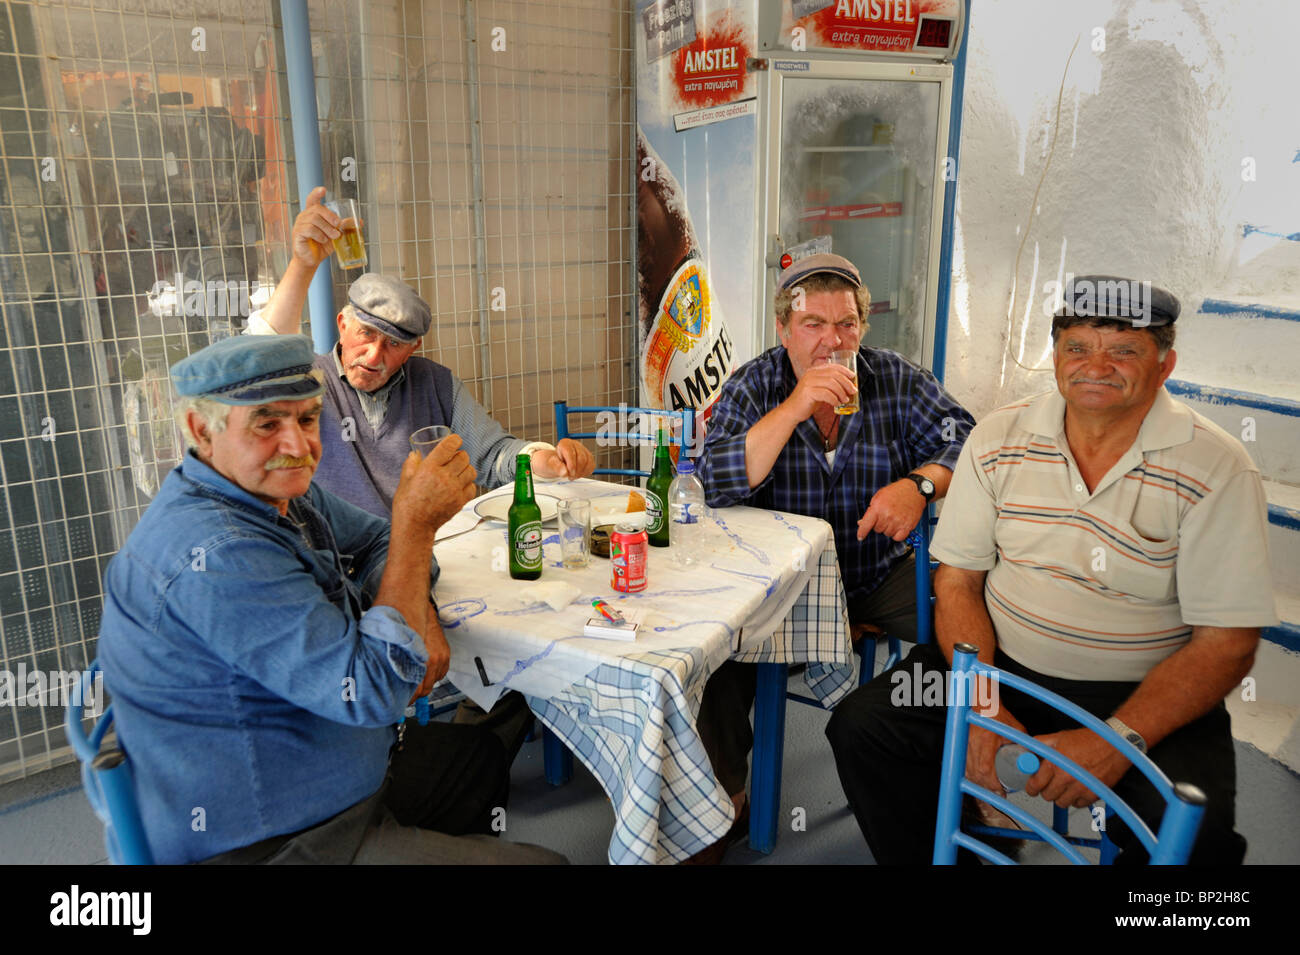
x=612 y=509
x=498 y=508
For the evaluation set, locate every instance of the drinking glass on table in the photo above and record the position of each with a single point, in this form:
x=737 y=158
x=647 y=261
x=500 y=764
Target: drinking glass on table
x=349 y=246
x=849 y=360
x=575 y=533
x=424 y=440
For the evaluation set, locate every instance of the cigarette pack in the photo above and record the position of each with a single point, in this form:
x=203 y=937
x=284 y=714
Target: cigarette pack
x=608 y=630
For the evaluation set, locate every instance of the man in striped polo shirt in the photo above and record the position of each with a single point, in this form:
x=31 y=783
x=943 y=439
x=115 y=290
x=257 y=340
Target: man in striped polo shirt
x=1106 y=542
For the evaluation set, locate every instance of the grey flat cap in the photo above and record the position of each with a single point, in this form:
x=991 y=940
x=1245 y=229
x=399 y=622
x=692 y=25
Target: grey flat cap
x=390 y=306
x=826 y=262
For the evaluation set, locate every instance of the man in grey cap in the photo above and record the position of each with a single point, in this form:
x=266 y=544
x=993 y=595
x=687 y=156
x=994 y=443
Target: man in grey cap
x=775 y=440
x=1107 y=543
x=261 y=639
x=378 y=391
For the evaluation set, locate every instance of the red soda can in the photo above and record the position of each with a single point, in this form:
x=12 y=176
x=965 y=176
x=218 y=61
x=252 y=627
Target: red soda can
x=627 y=552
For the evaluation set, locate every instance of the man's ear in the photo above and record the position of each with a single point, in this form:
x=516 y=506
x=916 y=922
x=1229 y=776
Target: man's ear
x=339 y=320
x=199 y=430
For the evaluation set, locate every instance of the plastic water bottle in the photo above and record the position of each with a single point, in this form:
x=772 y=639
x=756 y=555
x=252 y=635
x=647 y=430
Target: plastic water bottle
x=1015 y=764
x=686 y=508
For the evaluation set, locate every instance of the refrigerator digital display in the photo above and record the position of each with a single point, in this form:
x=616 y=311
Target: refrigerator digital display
x=934 y=33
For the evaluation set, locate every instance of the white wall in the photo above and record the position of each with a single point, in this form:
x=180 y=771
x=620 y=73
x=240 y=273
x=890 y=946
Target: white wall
x=1146 y=176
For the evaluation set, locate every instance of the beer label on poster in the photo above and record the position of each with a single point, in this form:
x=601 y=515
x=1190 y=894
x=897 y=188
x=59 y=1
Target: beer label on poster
x=689 y=354
x=712 y=69
x=888 y=26
x=669 y=25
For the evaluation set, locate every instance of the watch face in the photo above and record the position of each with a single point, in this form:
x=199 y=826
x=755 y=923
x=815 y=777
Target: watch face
x=927 y=486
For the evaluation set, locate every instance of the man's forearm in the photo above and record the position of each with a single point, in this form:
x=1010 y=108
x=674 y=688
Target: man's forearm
x=1189 y=683
x=284 y=311
x=405 y=584
x=765 y=440
x=961 y=615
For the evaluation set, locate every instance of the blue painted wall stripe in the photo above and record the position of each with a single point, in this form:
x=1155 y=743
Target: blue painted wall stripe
x=1286 y=635
x=1284 y=517
x=1231 y=396
x=1219 y=306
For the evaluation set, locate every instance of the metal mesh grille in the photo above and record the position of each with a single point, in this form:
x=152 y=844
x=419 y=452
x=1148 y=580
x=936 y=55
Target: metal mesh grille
x=145 y=204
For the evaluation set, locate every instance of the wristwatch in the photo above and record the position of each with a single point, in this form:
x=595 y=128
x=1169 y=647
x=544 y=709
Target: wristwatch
x=924 y=485
x=1130 y=735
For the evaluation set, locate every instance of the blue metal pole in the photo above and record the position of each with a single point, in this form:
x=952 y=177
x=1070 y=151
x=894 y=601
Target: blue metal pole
x=950 y=203
x=306 y=153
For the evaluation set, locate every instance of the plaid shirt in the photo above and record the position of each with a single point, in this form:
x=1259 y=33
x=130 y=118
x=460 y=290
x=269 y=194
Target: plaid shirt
x=907 y=421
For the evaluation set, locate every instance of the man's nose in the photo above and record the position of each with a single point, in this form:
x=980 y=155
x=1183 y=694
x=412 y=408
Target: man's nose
x=293 y=441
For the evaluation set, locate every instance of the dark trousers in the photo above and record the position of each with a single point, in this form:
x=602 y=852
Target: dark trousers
x=889 y=759
x=724 y=725
x=446 y=780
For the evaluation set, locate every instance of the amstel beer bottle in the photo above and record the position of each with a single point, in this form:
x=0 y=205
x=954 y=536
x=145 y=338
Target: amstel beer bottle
x=657 y=522
x=524 y=525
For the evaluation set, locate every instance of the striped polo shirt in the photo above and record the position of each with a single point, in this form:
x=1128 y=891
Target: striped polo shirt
x=1103 y=585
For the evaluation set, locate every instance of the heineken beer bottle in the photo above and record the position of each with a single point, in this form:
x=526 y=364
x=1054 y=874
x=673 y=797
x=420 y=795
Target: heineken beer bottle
x=657 y=522
x=524 y=525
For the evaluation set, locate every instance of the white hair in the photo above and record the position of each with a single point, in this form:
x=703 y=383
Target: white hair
x=214 y=415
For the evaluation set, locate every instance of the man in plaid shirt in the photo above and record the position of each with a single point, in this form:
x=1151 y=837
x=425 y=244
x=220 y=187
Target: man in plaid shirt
x=774 y=440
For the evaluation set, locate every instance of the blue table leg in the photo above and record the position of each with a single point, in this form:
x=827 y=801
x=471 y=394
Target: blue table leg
x=556 y=759
x=769 y=749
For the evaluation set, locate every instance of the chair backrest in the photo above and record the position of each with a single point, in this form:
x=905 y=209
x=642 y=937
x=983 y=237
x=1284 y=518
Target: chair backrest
x=1184 y=803
x=107 y=778
x=620 y=418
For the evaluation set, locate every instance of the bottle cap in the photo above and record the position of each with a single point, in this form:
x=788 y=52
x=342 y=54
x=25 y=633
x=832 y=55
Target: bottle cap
x=685 y=466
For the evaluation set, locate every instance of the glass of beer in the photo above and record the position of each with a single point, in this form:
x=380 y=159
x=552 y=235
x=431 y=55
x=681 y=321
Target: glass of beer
x=349 y=246
x=849 y=360
x=426 y=439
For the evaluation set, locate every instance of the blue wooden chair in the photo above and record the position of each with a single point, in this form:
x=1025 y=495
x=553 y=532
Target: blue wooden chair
x=685 y=436
x=107 y=779
x=1185 y=803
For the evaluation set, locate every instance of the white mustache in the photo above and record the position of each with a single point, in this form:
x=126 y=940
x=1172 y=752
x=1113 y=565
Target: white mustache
x=284 y=461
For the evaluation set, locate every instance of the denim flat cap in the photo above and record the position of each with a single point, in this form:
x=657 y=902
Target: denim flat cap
x=250 y=370
x=390 y=306
x=821 y=262
x=1125 y=300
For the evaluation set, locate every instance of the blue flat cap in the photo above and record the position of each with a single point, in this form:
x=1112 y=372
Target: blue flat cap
x=390 y=306
x=250 y=370
x=1141 y=304
x=822 y=262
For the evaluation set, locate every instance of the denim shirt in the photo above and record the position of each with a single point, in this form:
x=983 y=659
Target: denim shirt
x=252 y=691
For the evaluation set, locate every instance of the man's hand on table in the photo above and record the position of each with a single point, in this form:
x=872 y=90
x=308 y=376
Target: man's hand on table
x=894 y=511
x=431 y=490
x=570 y=459
x=1088 y=750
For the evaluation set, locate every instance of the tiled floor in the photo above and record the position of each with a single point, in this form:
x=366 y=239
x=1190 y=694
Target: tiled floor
x=46 y=819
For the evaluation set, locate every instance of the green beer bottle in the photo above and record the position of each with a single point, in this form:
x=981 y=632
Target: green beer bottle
x=656 y=494
x=524 y=525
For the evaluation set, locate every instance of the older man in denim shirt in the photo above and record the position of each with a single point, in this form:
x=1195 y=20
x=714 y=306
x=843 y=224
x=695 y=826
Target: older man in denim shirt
x=261 y=638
